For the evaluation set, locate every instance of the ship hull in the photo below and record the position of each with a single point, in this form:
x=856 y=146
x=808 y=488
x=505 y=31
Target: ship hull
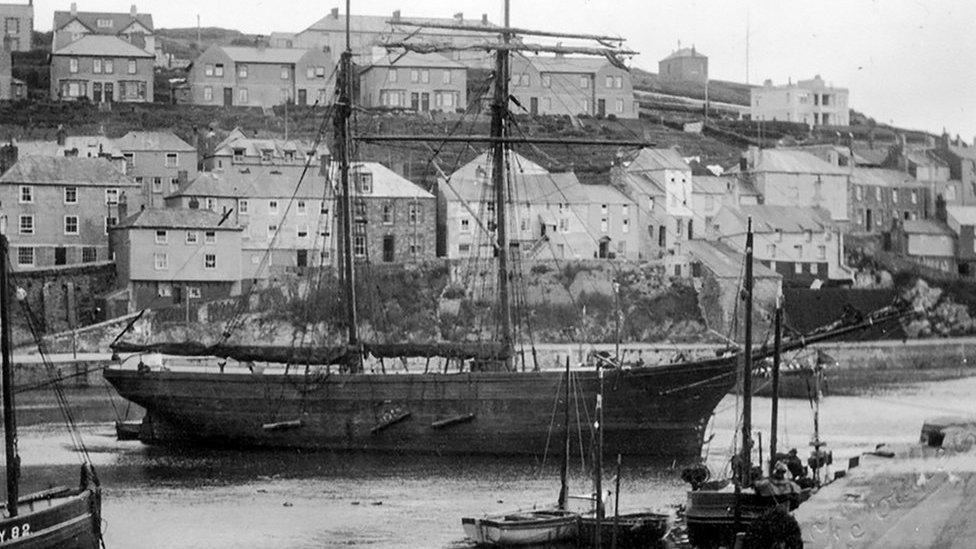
x=660 y=411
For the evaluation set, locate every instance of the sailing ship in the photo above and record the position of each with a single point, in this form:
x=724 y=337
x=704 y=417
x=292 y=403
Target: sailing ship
x=484 y=406
x=57 y=517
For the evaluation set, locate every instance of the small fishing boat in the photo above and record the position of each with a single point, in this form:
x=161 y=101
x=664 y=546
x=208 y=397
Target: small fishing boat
x=523 y=527
x=640 y=529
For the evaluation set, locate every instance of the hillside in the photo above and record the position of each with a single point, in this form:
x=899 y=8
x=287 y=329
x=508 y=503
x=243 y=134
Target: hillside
x=718 y=90
x=183 y=44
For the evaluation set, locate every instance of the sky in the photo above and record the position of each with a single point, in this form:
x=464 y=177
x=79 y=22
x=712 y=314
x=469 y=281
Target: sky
x=911 y=63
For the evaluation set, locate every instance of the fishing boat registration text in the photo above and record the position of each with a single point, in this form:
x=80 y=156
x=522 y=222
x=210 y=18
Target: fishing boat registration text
x=15 y=532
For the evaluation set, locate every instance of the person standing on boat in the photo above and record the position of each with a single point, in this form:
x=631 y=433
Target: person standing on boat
x=779 y=486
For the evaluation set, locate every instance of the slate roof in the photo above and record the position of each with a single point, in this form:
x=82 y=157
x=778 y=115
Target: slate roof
x=705 y=184
x=658 y=159
x=387 y=183
x=787 y=161
x=120 y=21
x=723 y=260
x=256 y=182
x=880 y=177
x=243 y=54
x=87 y=146
x=684 y=52
x=103 y=45
x=153 y=141
x=519 y=164
x=176 y=218
x=60 y=170
x=965 y=215
x=925 y=157
x=927 y=226
x=866 y=155
x=604 y=194
x=788 y=219
x=253 y=146
x=412 y=59
x=534 y=188
x=580 y=65
x=968 y=153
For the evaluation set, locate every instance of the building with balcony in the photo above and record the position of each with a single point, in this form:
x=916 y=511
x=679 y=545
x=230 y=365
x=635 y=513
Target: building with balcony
x=812 y=102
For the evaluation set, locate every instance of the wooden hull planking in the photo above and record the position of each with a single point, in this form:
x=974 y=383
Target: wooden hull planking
x=523 y=528
x=63 y=521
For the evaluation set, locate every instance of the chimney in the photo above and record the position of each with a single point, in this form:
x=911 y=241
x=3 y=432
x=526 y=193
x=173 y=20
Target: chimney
x=484 y=19
x=743 y=164
x=8 y=157
x=335 y=13
x=325 y=162
x=123 y=206
x=459 y=18
x=768 y=83
x=182 y=177
x=133 y=11
x=396 y=15
x=259 y=43
x=559 y=54
x=62 y=135
x=74 y=9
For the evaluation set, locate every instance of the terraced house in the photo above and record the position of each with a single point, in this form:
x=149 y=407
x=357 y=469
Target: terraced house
x=572 y=86
x=59 y=209
x=239 y=150
x=261 y=77
x=159 y=162
x=102 y=69
x=415 y=82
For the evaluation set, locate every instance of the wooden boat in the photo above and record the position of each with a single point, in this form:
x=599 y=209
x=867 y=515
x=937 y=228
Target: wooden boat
x=127 y=430
x=633 y=530
x=61 y=517
x=523 y=527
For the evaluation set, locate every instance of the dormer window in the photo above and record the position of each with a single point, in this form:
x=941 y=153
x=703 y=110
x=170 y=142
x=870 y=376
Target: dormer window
x=238 y=154
x=266 y=155
x=364 y=183
x=104 y=23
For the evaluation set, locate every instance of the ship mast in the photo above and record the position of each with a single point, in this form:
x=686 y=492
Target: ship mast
x=499 y=130
x=342 y=110
x=745 y=460
x=6 y=379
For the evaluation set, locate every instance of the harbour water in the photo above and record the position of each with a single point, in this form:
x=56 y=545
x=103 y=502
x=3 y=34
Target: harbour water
x=169 y=498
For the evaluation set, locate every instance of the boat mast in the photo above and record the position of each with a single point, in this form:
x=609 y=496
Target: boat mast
x=7 y=378
x=745 y=459
x=342 y=110
x=499 y=125
x=777 y=344
x=598 y=458
x=564 y=470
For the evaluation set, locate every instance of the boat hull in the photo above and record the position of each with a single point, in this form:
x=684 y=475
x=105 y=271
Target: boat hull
x=710 y=516
x=659 y=412
x=525 y=528
x=634 y=530
x=70 y=521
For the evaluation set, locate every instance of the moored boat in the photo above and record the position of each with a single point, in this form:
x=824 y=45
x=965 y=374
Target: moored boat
x=523 y=527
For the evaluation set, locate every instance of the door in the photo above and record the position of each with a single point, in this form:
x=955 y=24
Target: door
x=867 y=221
x=601 y=107
x=425 y=101
x=228 y=97
x=303 y=97
x=60 y=255
x=177 y=294
x=604 y=248
x=389 y=250
x=301 y=260
x=415 y=101
x=97 y=92
x=109 y=94
x=534 y=106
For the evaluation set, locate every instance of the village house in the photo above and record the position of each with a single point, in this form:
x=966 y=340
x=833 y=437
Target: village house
x=572 y=86
x=59 y=209
x=881 y=196
x=812 y=102
x=928 y=242
x=239 y=149
x=800 y=243
x=158 y=161
x=962 y=221
x=133 y=27
x=415 y=82
x=103 y=69
x=553 y=216
x=929 y=167
x=18 y=25
x=285 y=224
x=165 y=256
x=659 y=183
x=961 y=160
x=796 y=178
x=709 y=193
x=369 y=31
x=260 y=76
x=684 y=65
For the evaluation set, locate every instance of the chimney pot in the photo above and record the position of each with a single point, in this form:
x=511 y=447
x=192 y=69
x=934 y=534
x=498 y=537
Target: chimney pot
x=74 y=8
x=123 y=207
x=335 y=13
x=484 y=19
x=133 y=11
x=396 y=15
x=182 y=177
x=459 y=18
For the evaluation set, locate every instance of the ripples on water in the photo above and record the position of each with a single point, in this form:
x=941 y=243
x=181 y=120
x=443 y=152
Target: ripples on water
x=166 y=498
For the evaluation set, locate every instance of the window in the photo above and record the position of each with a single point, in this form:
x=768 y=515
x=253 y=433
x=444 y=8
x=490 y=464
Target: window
x=71 y=195
x=779 y=235
x=320 y=72
x=193 y=292
x=563 y=225
x=392 y=76
x=877 y=194
x=626 y=226
x=618 y=82
x=464 y=248
x=446 y=77
x=809 y=235
x=821 y=252
x=111 y=196
x=894 y=195
x=73 y=65
x=771 y=250
x=604 y=225
x=110 y=222
x=210 y=237
x=273 y=207
x=71 y=224
x=192 y=237
x=25 y=255
x=130 y=161
x=546 y=80
x=242 y=95
x=210 y=261
x=465 y=225
x=424 y=76
x=161 y=237
x=174 y=184
x=26 y=194
x=242 y=71
x=364 y=183
x=104 y=23
x=27 y=224
x=285 y=72
x=97 y=66
x=798 y=251
x=302 y=207
x=950 y=192
x=208 y=69
x=857 y=192
x=172 y=160
x=414 y=76
x=359 y=246
x=219 y=69
x=603 y=209
x=309 y=72
x=388 y=213
x=620 y=105
x=609 y=81
x=415 y=214
x=798 y=267
x=914 y=197
x=109 y=66
x=272 y=230
x=164 y=289
x=157 y=185
x=208 y=93
x=160 y=261
x=242 y=206
x=12 y=27
x=585 y=106
x=302 y=231
x=89 y=254
x=584 y=82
